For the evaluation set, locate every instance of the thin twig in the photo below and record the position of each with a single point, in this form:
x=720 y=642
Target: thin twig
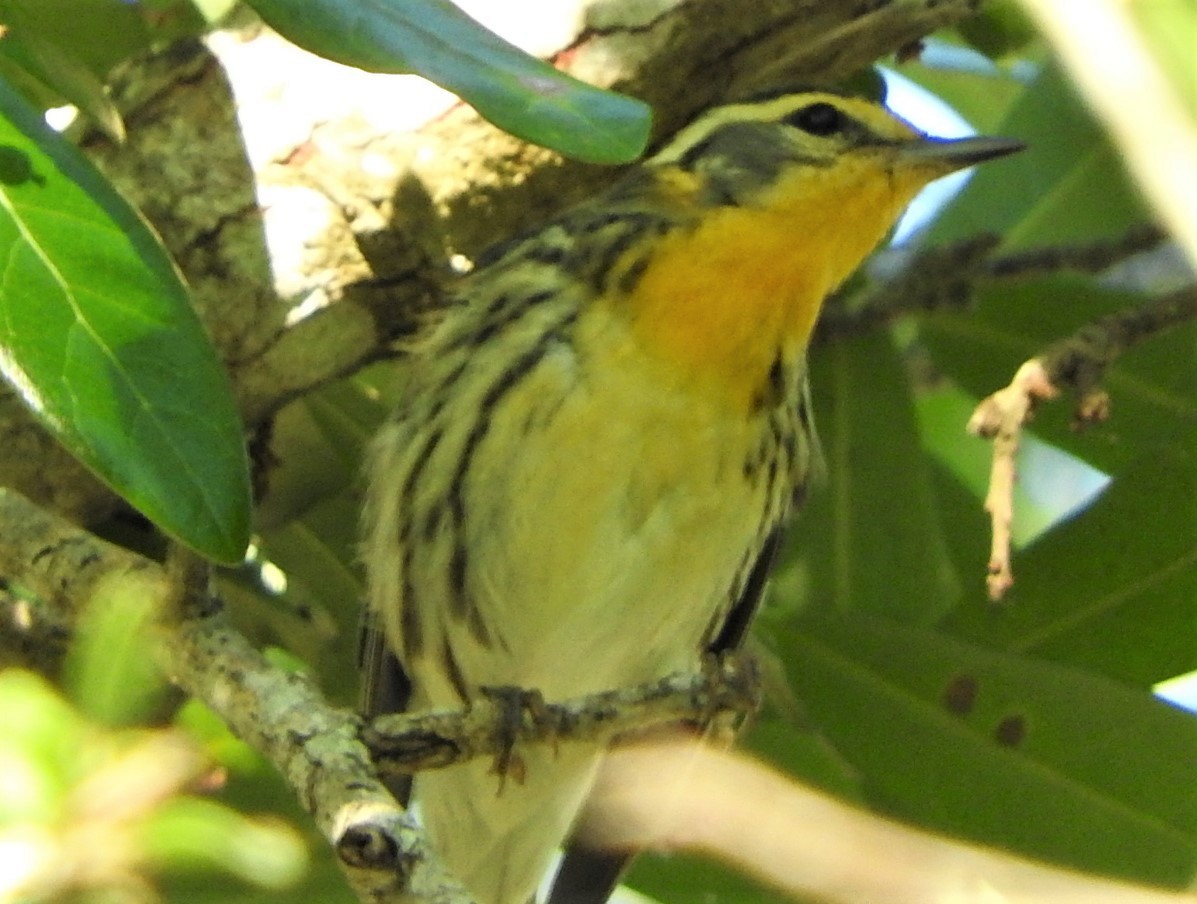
x=1000 y=417
x=1089 y=257
x=944 y=277
x=1076 y=363
x=403 y=743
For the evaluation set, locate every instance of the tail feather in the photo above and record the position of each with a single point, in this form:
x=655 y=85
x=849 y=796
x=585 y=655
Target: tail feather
x=587 y=875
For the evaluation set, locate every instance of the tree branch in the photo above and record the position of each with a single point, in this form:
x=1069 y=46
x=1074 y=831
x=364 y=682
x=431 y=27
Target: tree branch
x=58 y=567
x=1076 y=363
x=804 y=844
x=405 y=743
x=316 y=230
x=51 y=570
x=944 y=277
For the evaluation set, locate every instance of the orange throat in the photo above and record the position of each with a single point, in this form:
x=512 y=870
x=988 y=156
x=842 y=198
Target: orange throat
x=720 y=303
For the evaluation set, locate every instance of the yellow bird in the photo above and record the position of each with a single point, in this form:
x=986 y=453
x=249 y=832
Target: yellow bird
x=584 y=482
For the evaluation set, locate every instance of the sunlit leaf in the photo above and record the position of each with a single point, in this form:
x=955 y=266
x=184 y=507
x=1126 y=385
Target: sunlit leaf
x=1169 y=27
x=98 y=337
x=433 y=38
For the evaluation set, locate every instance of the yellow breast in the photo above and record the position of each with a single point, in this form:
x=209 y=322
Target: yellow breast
x=720 y=302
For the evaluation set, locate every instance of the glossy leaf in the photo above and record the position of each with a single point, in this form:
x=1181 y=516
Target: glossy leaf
x=517 y=92
x=99 y=33
x=1006 y=750
x=98 y=336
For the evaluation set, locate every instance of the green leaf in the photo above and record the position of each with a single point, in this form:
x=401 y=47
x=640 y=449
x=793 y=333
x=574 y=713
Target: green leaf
x=39 y=748
x=517 y=92
x=1114 y=590
x=1006 y=750
x=1169 y=27
x=191 y=833
x=29 y=56
x=683 y=879
x=98 y=336
x=984 y=97
x=1069 y=185
x=867 y=538
x=98 y=32
x=109 y=676
x=1000 y=29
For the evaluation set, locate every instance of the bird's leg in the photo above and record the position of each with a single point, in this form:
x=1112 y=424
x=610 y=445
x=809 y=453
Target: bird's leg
x=512 y=702
x=733 y=692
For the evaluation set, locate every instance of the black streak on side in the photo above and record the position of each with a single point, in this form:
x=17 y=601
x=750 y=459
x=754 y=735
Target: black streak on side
x=460 y=603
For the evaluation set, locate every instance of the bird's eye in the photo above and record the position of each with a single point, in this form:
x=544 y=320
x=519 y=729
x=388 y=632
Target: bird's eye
x=818 y=119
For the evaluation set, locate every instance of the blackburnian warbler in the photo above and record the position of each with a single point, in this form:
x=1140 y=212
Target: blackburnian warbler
x=599 y=443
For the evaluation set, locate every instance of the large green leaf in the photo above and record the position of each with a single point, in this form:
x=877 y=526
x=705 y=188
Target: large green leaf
x=101 y=31
x=1009 y=751
x=50 y=76
x=433 y=38
x=1115 y=589
x=98 y=336
x=1069 y=185
x=1170 y=27
x=868 y=538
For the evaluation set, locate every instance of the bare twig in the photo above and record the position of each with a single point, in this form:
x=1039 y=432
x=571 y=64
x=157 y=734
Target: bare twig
x=1000 y=417
x=1076 y=363
x=1089 y=257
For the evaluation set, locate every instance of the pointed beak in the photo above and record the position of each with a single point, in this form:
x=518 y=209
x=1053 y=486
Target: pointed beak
x=946 y=155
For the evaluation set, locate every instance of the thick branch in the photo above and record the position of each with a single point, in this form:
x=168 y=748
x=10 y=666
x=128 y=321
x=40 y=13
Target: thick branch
x=806 y=845
x=58 y=568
